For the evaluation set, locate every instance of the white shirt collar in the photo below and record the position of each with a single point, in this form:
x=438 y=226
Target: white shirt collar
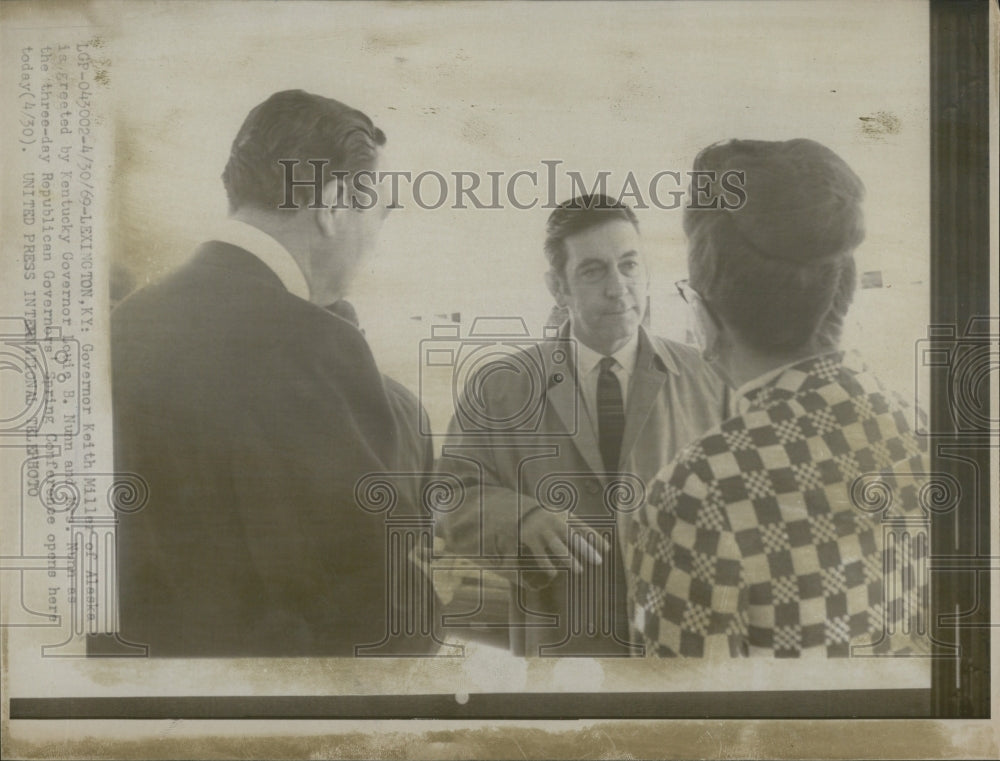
x=274 y=255
x=587 y=359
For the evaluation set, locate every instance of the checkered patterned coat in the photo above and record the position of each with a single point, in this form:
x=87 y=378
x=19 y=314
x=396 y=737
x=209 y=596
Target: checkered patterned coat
x=755 y=541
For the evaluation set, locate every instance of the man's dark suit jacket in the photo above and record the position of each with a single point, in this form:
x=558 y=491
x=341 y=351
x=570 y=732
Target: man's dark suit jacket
x=251 y=413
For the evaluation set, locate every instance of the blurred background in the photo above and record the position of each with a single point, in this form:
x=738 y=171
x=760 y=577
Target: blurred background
x=601 y=87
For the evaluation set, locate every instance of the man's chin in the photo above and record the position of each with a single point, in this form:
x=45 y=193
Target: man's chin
x=610 y=333
x=623 y=325
x=621 y=333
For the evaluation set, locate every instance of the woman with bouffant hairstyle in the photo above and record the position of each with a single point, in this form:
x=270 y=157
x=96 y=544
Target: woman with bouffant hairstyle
x=753 y=540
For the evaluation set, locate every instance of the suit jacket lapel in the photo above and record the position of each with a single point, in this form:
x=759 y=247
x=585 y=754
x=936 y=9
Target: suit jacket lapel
x=564 y=398
x=647 y=382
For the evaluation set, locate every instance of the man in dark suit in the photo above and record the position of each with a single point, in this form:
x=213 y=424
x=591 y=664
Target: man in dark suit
x=252 y=411
x=416 y=450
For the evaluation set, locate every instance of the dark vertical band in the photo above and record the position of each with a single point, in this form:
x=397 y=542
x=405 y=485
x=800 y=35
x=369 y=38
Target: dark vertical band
x=960 y=263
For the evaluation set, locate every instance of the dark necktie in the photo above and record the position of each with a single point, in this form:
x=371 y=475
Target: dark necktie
x=610 y=415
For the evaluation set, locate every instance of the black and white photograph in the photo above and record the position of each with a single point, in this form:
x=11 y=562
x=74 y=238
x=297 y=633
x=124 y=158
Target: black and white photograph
x=486 y=380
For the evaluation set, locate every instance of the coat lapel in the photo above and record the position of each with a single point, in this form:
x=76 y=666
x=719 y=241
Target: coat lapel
x=647 y=382
x=564 y=398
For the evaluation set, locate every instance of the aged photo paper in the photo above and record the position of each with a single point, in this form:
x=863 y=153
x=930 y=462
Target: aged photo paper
x=118 y=121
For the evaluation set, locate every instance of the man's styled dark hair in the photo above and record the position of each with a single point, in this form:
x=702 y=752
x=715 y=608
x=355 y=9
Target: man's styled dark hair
x=575 y=216
x=294 y=124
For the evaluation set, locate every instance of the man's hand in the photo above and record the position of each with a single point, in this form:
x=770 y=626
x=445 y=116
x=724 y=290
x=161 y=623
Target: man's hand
x=543 y=534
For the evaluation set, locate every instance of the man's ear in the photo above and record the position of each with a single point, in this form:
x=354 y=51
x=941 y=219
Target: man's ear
x=557 y=287
x=331 y=216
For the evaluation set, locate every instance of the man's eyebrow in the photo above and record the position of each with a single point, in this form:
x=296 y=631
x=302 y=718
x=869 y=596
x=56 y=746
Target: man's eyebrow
x=630 y=252
x=591 y=261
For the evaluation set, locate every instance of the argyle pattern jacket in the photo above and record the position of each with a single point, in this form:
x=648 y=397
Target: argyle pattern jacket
x=767 y=535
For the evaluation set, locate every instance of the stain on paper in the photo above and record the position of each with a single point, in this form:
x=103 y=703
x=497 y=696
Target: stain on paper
x=876 y=126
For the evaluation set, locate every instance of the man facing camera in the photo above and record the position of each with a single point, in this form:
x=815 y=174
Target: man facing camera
x=616 y=401
x=252 y=411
